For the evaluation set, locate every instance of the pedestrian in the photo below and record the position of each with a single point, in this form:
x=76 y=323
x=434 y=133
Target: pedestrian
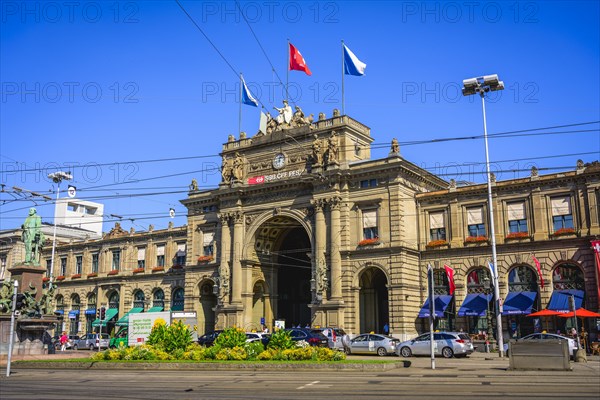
x=63 y=341
x=386 y=329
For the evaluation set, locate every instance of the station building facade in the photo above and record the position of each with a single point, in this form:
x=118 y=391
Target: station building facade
x=306 y=228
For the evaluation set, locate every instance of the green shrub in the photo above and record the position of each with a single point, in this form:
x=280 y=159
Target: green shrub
x=281 y=339
x=231 y=337
x=176 y=336
x=253 y=349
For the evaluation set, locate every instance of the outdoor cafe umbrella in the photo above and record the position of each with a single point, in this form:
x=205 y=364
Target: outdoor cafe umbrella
x=545 y=313
x=581 y=313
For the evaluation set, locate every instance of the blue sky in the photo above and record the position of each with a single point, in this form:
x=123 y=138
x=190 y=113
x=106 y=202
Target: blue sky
x=107 y=87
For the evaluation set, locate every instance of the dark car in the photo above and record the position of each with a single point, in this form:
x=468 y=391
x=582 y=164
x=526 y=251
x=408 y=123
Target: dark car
x=208 y=339
x=310 y=336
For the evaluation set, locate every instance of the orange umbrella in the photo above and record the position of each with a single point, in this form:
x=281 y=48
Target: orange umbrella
x=545 y=313
x=581 y=313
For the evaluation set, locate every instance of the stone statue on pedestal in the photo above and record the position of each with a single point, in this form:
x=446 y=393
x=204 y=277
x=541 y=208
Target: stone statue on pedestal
x=33 y=237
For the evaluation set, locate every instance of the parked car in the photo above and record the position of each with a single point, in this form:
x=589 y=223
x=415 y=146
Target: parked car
x=254 y=337
x=334 y=337
x=549 y=336
x=208 y=339
x=315 y=338
x=370 y=343
x=448 y=344
x=120 y=339
x=92 y=341
x=72 y=339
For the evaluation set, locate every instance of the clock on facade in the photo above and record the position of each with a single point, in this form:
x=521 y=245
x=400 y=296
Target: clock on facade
x=279 y=161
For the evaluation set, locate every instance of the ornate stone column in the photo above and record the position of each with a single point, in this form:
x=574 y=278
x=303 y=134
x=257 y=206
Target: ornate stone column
x=236 y=265
x=334 y=251
x=224 y=251
x=318 y=260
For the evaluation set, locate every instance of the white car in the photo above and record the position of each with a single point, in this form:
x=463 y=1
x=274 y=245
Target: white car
x=448 y=344
x=254 y=337
x=549 y=336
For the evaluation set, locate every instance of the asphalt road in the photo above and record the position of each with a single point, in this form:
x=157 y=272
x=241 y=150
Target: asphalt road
x=475 y=378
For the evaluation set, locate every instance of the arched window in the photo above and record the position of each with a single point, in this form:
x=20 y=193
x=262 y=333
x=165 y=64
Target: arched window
x=522 y=279
x=440 y=282
x=568 y=276
x=91 y=301
x=75 y=302
x=60 y=304
x=113 y=300
x=478 y=281
x=158 y=299
x=138 y=299
x=177 y=300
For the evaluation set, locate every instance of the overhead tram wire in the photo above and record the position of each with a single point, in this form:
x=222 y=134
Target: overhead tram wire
x=237 y=4
x=236 y=73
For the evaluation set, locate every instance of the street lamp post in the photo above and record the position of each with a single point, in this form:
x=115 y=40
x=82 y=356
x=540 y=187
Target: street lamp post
x=488 y=317
x=482 y=85
x=57 y=177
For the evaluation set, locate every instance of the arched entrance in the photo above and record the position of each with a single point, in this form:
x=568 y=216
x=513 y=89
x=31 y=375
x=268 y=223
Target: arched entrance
x=208 y=302
x=373 y=300
x=282 y=247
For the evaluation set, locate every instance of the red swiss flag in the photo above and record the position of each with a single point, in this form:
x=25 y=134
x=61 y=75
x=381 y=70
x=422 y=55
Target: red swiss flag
x=297 y=62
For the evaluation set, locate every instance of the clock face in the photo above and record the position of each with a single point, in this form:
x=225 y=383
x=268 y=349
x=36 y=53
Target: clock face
x=279 y=161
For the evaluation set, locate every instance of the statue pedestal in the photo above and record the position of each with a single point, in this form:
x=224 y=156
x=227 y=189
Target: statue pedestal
x=28 y=276
x=32 y=335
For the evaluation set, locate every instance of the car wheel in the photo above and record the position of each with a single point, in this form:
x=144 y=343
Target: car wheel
x=405 y=352
x=447 y=352
x=381 y=352
x=75 y=347
x=91 y=347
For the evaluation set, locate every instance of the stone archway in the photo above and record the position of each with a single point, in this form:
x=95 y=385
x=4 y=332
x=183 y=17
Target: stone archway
x=373 y=300
x=208 y=302
x=281 y=248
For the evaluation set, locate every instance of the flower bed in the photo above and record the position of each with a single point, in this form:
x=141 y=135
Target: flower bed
x=60 y=278
x=564 y=232
x=205 y=259
x=75 y=276
x=158 y=269
x=368 y=242
x=436 y=243
x=113 y=272
x=517 y=235
x=92 y=275
x=476 y=239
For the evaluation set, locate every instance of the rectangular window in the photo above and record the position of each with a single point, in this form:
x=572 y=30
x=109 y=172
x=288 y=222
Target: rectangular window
x=3 y=258
x=368 y=183
x=562 y=217
x=437 y=227
x=63 y=266
x=95 y=263
x=476 y=227
x=370 y=224
x=180 y=255
x=78 y=264
x=517 y=221
x=160 y=255
x=48 y=267
x=207 y=244
x=141 y=257
x=116 y=260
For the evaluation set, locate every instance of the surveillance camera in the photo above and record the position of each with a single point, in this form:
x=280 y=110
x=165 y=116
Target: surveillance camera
x=470 y=83
x=59 y=176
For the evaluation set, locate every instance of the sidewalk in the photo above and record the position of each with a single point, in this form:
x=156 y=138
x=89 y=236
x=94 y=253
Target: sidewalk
x=59 y=355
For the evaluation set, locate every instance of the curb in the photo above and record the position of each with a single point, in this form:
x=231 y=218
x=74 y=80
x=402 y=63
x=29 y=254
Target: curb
x=213 y=366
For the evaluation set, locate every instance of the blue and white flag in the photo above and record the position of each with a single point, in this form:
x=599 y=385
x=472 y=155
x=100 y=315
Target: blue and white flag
x=492 y=270
x=246 y=95
x=352 y=65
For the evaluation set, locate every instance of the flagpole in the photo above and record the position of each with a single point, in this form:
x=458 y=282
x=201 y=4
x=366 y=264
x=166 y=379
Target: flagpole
x=240 y=112
x=287 y=72
x=343 y=108
x=431 y=314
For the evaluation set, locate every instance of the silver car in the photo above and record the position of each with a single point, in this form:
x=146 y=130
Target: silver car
x=92 y=341
x=448 y=344
x=369 y=343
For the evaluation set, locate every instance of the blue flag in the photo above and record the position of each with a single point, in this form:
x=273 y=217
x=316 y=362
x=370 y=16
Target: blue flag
x=246 y=95
x=352 y=65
